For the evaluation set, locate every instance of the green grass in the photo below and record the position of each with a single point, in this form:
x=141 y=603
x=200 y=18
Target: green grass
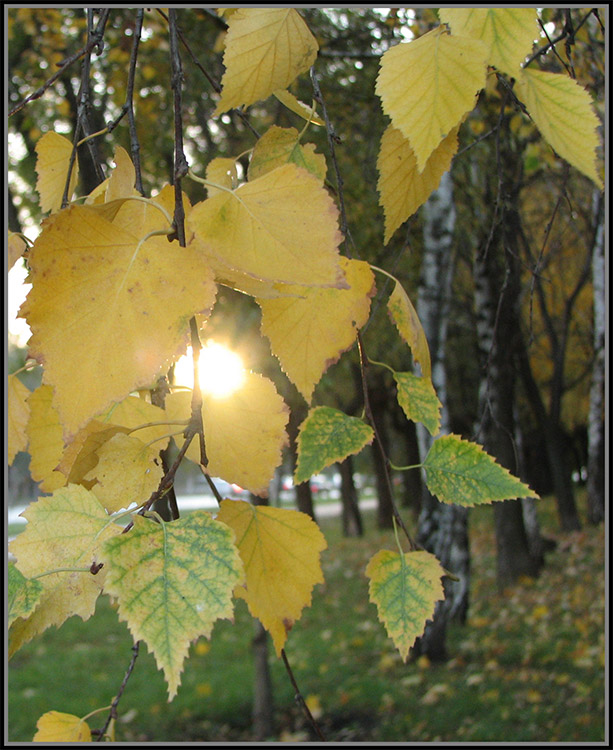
x=528 y=666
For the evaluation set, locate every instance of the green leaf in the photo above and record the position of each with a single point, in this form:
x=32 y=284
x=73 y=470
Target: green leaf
x=418 y=400
x=23 y=594
x=405 y=588
x=326 y=436
x=172 y=581
x=462 y=473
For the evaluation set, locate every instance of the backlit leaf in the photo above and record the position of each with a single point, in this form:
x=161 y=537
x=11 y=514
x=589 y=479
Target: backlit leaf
x=279 y=146
x=123 y=177
x=418 y=400
x=280 y=550
x=308 y=332
x=428 y=85
x=46 y=444
x=52 y=161
x=55 y=726
x=266 y=49
x=172 y=582
x=407 y=321
x=402 y=188
x=106 y=310
x=298 y=107
x=22 y=595
x=405 y=588
x=281 y=227
x=80 y=455
x=64 y=530
x=562 y=110
x=509 y=33
x=128 y=471
x=18 y=415
x=222 y=172
x=134 y=412
x=461 y=472
x=326 y=436
x=16 y=247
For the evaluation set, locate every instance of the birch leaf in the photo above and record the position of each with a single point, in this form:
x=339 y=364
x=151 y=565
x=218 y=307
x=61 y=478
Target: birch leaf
x=128 y=471
x=64 y=530
x=418 y=400
x=309 y=332
x=405 y=588
x=562 y=110
x=108 y=311
x=80 y=455
x=266 y=49
x=221 y=171
x=135 y=413
x=18 y=415
x=509 y=33
x=407 y=321
x=281 y=227
x=123 y=177
x=402 y=188
x=279 y=146
x=326 y=436
x=23 y=594
x=53 y=153
x=428 y=85
x=55 y=726
x=172 y=582
x=16 y=247
x=46 y=444
x=298 y=107
x=462 y=473
x=280 y=550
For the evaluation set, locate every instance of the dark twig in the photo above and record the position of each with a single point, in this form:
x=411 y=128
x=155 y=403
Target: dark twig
x=113 y=711
x=300 y=700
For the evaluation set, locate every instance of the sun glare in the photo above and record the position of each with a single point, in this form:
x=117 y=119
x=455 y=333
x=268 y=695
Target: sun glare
x=221 y=371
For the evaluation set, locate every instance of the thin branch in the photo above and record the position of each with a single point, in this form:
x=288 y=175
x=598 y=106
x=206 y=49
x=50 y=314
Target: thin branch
x=300 y=700
x=113 y=710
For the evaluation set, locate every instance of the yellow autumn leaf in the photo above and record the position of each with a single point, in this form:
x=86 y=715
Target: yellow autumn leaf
x=18 y=415
x=80 y=455
x=123 y=177
x=55 y=726
x=402 y=188
x=280 y=550
x=172 y=581
x=405 y=587
x=563 y=112
x=298 y=107
x=279 y=146
x=53 y=153
x=128 y=471
x=46 y=444
x=145 y=421
x=308 y=332
x=281 y=227
x=222 y=172
x=64 y=531
x=265 y=50
x=16 y=247
x=428 y=85
x=108 y=310
x=509 y=33
x=404 y=315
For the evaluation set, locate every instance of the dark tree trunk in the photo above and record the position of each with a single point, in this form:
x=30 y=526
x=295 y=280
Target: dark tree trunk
x=352 y=519
x=412 y=483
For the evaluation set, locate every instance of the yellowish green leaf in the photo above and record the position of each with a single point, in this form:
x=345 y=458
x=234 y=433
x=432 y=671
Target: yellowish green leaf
x=172 y=582
x=55 y=726
x=128 y=471
x=418 y=400
x=462 y=473
x=402 y=188
x=279 y=146
x=64 y=531
x=23 y=594
x=53 y=153
x=428 y=85
x=282 y=227
x=108 y=310
x=298 y=107
x=308 y=332
x=18 y=415
x=407 y=321
x=280 y=550
x=563 y=112
x=509 y=33
x=326 y=436
x=266 y=49
x=405 y=588
x=46 y=444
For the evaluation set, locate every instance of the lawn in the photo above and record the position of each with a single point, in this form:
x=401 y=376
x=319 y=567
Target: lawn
x=529 y=666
